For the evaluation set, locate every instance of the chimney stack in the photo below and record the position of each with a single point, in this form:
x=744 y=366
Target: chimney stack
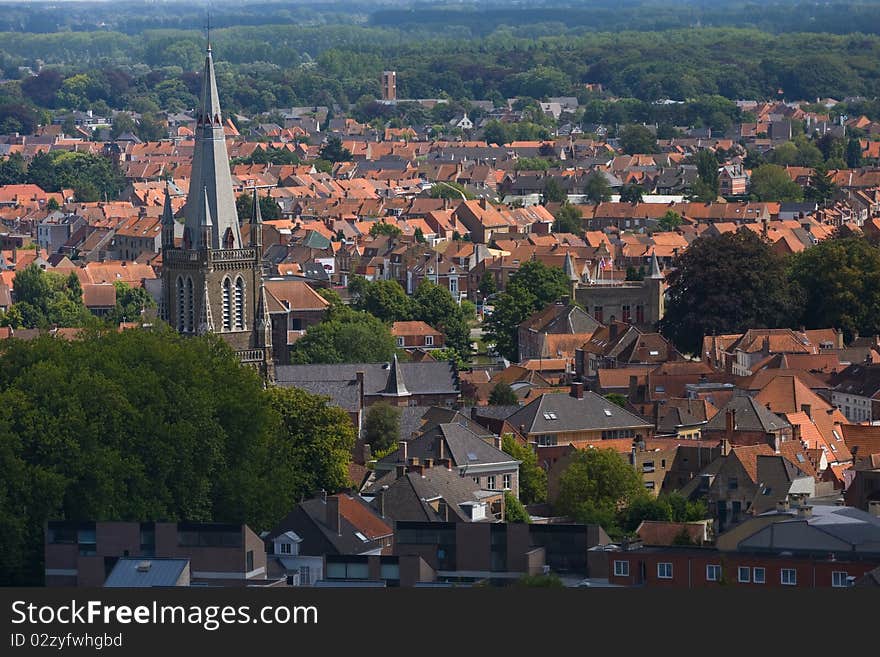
x=402 y=449
x=730 y=418
x=441 y=449
x=805 y=511
x=633 y=388
x=382 y=500
x=782 y=506
x=612 y=330
x=400 y=471
x=577 y=390
x=497 y=441
x=429 y=463
x=333 y=521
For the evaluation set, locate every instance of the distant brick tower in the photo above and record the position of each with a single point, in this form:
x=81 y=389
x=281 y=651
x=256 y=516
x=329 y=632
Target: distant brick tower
x=212 y=281
x=389 y=85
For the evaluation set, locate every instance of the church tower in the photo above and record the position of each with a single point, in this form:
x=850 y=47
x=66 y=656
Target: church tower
x=212 y=281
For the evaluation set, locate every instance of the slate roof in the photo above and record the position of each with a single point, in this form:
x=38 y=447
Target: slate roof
x=464 y=447
x=750 y=416
x=552 y=413
x=162 y=572
x=405 y=498
x=420 y=378
x=829 y=528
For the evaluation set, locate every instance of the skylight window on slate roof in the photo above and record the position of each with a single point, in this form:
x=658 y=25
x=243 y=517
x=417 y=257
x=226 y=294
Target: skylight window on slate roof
x=607 y=411
x=800 y=457
x=550 y=415
x=471 y=456
x=362 y=537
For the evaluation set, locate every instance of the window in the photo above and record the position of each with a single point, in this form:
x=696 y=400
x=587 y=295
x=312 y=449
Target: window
x=597 y=313
x=625 y=314
x=87 y=540
x=227 y=304
x=621 y=568
x=453 y=285
x=400 y=342
x=839 y=579
x=239 y=303
x=742 y=575
x=640 y=317
x=284 y=548
x=713 y=573
x=305 y=576
x=648 y=466
x=649 y=485
x=190 y=306
x=664 y=570
x=429 y=340
x=546 y=440
x=758 y=575
x=181 y=305
x=249 y=561
x=490 y=482
x=476 y=480
x=788 y=576
x=505 y=480
x=732 y=483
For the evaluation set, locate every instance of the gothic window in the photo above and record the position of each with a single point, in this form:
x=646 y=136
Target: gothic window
x=227 y=305
x=239 y=303
x=228 y=239
x=190 y=306
x=181 y=304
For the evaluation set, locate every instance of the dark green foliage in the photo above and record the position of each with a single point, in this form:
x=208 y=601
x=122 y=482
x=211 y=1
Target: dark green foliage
x=383 y=299
x=487 y=284
x=631 y=194
x=435 y=306
x=596 y=486
x=840 y=283
x=726 y=284
x=46 y=299
x=637 y=139
x=821 y=187
x=13 y=170
x=673 y=507
x=514 y=511
x=346 y=336
x=771 y=182
x=553 y=191
x=597 y=189
x=334 y=151
x=269 y=208
x=617 y=398
x=532 y=477
x=131 y=304
x=149 y=425
x=530 y=289
x=382 y=228
x=92 y=177
x=706 y=189
x=382 y=426
x=669 y=221
x=569 y=220
x=503 y=395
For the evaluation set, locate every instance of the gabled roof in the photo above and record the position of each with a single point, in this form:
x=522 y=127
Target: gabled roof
x=421 y=378
x=137 y=572
x=552 y=413
x=750 y=415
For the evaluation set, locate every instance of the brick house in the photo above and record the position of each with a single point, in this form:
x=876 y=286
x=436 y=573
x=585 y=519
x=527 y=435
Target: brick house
x=417 y=335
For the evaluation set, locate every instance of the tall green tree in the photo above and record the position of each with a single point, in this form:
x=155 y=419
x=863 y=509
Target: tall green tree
x=597 y=189
x=532 y=477
x=346 y=336
x=569 y=220
x=503 y=395
x=514 y=511
x=596 y=485
x=771 y=182
x=269 y=207
x=839 y=280
x=553 y=191
x=631 y=194
x=726 y=284
x=385 y=300
x=853 y=153
x=530 y=289
x=334 y=151
x=382 y=426
x=821 y=187
x=636 y=139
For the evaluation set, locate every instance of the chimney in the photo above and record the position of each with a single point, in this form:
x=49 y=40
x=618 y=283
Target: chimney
x=333 y=514
x=441 y=449
x=612 y=330
x=429 y=463
x=577 y=390
x=808 y=410
x=633 y=388
x=782 y=506
x=402 y=448
x=400 y=471
x=497 y=441
x=805 y=511
x=382 y=500
x=413 y=460
x=360 y=381
x=795 y=432
x=725 y=447
x=446 y=463
x=730 y=421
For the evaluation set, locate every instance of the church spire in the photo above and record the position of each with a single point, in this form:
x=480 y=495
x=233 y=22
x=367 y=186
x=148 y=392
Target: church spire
x=395 y=386
x=655 y=267
x=167 y=222
x=256 y=225
x=211 y=195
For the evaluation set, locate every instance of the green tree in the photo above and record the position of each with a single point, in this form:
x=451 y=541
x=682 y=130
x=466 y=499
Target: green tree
x=839 y=280
x=597 y=189
x=514 y=511
x=13 y=170
x=419 y=236
x=502 y=395
x=726 y=284
x=771 y=182
x=617 y=398
x=487 y=284
x=382 y=228
x=569 y=220
x=383 y=299
x=334 y=151
x=532 y=477
x=853 y=153
x=530 y=289
x=669 y=221
x=553 y=191
x=435 y=306
x=451 y=190
x=821 y=187
x=635 y=139
x=270 y=210
x=382 y=426
x=706 y=189
x=496 y=132
x=131 y=303
x=240 y=453
x=631 y=194
x=596 y=485
x=346 y=336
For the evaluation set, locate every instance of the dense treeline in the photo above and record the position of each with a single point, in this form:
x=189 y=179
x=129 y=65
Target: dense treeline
x=144 y=425
x=261 y=68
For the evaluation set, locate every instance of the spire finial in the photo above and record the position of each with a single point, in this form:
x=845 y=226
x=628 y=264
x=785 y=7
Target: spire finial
x=208 y=31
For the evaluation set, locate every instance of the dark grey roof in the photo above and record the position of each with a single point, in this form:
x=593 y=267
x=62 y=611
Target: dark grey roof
x=676 y=417
x=406 y=497
x=345 y=394
x=160 y=572
x=495 y=412
x=465 y=447
x=554 y=412
x=828 y=529
x=421 y=378
x=750 y=416
x=858 y=379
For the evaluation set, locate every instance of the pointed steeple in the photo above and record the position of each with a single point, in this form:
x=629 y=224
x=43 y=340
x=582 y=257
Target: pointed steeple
x=167 y=222
x=568 y=268
x=210 y=190
x=263 y=325
x=206 y=321
x=256 y=225
x=395 y=387
x=206 y=225
x=655 y=267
